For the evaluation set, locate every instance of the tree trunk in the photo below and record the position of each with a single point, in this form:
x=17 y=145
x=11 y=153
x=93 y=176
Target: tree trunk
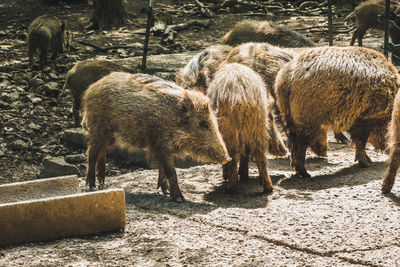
x=107 y=14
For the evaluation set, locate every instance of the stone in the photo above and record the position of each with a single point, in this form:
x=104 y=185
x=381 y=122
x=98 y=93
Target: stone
x=55 y=166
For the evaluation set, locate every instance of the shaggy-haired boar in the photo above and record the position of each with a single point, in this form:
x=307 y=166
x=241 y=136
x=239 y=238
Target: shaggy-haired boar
x=394 y=146
x=83 y=74
x=146 y=112
x=367 y=16
x=262 y=31
x=265 y=59
x=339 y=88
x=238 y=96
x=193 y=75
x=45 y=32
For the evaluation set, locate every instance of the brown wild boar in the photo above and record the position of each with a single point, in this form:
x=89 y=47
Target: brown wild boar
x=339 y=88
x=262 y=31
x=83 y=74
x=192 y=75
x=200 y=71
x=238 y=96
x=145 y=112
x=394 y=146
x=45 y=32
x=367 y=16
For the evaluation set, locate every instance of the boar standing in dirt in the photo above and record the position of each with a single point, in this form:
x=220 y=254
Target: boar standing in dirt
x=145 y=112
x=339 y=88
x=367 y=16
x=82 y=75
x=200 y=71
x=193 y=76
x=394 y=146
x=45 y=32
x=238 y=96
x=262 y=31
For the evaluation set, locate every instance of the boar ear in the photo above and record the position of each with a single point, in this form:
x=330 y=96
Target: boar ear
x=186 y=109
x=204 y=78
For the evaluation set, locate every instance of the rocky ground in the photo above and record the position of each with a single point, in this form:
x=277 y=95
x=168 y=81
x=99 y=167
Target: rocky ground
x=338 y=217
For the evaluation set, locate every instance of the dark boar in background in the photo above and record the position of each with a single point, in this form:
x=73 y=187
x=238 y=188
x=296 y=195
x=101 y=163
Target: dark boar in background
x=82 y=75
x=262 y=31
x=45 y=32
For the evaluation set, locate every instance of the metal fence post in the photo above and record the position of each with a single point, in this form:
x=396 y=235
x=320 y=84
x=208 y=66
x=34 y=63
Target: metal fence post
x=146 y=38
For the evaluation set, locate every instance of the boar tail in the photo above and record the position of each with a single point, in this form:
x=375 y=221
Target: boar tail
x=84 y=120
x=281 y=103
x=347 y=18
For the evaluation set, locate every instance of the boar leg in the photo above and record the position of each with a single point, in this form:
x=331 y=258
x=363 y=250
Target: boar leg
x=265 y=181
x=341 y=138
x=360 y=137
x=167 y=167
x=230 y=172
x=394 y=163
x=244 y=165
x=360 y=35
x=92 y=155
x=353 y=38
x=163 y=181
x=319 y=145
x=298 y=145
x=75 y=111
x=43 y=56
x=101 y=168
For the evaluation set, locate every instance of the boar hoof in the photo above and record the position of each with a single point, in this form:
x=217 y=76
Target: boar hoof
x=386 y=189
x=177 y=196
x=231 y=188
x=341 y=138
x=267 y=189
x=92 y=188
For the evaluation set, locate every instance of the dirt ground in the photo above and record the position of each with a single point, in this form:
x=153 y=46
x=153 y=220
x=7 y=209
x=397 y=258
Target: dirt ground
x=336 y=218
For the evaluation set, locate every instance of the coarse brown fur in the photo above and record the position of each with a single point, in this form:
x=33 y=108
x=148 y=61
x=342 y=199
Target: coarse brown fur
x=367 y=16
x=83 y=74
x=394 y=147
x=192 y=75
x=263 y=58
x=263 y=31
x=339 y=88
x=140 y=111
x=238 y=96
x=45 y=32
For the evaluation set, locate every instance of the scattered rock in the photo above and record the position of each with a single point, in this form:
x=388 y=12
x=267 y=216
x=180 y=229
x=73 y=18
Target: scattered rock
x=75 y=158
x=18 y=145
x=74 y=138
x=51 y=89
x=55 y=166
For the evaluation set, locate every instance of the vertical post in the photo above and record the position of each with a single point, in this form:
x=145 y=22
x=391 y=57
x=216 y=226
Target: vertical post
x=330 y=38
x=386 y=40
x=146 y=38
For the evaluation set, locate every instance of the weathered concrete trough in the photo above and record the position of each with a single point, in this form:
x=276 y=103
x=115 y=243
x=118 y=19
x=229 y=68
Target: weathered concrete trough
x=48 y=209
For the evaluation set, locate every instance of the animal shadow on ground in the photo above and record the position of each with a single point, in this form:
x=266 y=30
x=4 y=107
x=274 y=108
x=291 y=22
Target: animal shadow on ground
x=248 y=195
x=394 y=198
x=158 y=203
x=348 y=176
